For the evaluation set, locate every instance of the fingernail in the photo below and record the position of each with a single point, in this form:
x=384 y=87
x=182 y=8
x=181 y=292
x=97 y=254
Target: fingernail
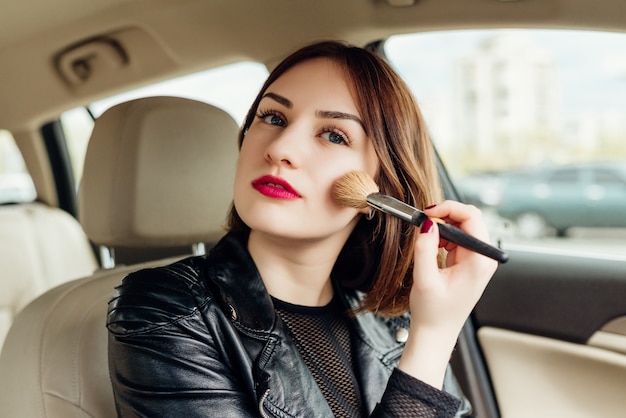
x=427 y=225
x=430 y=207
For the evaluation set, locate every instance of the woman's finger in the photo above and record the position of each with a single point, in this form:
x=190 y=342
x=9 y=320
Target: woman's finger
x=467 y=217
x=425 y=254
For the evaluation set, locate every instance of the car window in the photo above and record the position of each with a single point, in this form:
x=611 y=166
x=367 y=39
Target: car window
x=565 y=176
x=77 y=126
x=16 y=184
x=522 y=118
x=607 y=176
x=232 y=88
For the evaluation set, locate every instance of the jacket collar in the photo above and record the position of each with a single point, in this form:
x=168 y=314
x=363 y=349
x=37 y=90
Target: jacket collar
x=240 y=286
x=245 y=296
x=246 y=299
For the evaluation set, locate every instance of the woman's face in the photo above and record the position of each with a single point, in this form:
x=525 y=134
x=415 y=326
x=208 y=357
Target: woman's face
x=306 y=134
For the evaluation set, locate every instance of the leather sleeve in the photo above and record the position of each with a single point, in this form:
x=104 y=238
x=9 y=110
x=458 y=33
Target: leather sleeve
x=165 y=359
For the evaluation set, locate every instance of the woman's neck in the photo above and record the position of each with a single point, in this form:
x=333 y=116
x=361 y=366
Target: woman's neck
x=295 y=271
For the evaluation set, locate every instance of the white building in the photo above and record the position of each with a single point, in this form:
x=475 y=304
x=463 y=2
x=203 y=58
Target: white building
x=507 y=97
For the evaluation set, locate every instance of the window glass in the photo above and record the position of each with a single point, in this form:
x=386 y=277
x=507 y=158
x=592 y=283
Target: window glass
x=231 y=87
x=77 y=126
x=607 y=176
x=566 y=175
x=523 y=119
x=16 y=184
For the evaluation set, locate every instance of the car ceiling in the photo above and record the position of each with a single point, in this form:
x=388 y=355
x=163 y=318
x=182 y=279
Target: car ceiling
x=164 y=38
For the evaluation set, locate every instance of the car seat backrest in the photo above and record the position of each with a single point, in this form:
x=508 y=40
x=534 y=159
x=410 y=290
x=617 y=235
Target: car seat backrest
x=158 y=172
x=40 y=248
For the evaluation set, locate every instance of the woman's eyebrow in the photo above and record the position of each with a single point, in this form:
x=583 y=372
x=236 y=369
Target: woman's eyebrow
x=280 y=99
x=328 y=114
x=325 y=114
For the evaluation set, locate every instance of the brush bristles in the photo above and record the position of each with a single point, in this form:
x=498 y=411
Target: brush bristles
x=352 y=189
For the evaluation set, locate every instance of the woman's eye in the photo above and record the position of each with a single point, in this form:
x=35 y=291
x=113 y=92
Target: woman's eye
x=272 y=119
x=335 y=137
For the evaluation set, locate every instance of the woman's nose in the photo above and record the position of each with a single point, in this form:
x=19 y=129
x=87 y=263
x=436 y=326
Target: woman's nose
x=286 y=149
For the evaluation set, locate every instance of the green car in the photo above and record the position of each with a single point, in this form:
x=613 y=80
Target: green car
x=590 y=195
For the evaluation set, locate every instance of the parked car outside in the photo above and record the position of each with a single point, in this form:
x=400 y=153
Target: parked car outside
x=554 y=199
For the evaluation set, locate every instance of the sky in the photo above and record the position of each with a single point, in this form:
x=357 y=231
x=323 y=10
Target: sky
x=591 y=65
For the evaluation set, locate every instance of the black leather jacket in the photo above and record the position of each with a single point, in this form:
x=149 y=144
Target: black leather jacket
x=201 y=338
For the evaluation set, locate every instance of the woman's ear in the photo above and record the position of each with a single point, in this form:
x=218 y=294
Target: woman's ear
x=369 y=212
x=365 y=210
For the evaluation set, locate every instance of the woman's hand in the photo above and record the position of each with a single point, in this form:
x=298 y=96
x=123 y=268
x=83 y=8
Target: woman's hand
x=445 y=297
x=442 y=298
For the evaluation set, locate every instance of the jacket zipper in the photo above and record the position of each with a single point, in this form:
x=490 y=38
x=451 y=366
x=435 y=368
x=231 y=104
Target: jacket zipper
x=261 y=402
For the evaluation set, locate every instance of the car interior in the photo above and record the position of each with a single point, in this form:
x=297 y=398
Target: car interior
x=60 y=363
x=92 y=162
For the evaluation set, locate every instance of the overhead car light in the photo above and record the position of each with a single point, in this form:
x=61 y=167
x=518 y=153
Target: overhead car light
x=401 y=3
x=81 y=62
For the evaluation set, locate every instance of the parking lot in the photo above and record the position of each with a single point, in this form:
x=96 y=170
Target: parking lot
x=598 y=241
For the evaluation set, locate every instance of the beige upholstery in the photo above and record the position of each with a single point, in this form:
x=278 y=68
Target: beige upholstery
x=55 y=363
x=158 y=173
x=40 y=247
x=569 y=380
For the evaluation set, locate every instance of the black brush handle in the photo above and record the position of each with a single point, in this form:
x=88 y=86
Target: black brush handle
x=457 y=236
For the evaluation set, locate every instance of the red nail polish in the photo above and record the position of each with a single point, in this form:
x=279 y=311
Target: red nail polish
x=427 y=225
x=430 y=207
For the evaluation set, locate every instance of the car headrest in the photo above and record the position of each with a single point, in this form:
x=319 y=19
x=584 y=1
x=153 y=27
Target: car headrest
x=158 y=172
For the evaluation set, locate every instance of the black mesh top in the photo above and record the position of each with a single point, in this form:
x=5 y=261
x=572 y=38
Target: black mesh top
x=323 y=335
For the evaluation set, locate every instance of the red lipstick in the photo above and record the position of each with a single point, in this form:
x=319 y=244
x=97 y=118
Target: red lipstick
x=275 y=187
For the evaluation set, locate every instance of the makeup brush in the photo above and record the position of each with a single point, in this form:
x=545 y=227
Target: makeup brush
x=358 y=190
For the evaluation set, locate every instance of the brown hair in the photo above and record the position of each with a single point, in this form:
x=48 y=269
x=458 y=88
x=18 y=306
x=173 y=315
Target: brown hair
x=378 y=256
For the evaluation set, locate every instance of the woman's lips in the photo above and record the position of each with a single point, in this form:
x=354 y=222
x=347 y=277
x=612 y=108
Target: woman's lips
x=275 y=187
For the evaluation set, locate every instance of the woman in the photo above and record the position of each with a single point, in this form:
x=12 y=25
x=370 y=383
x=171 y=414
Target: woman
x=301 y=309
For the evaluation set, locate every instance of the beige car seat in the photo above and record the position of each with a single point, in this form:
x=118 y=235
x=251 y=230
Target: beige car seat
x=40 y=247
x=158 y=173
